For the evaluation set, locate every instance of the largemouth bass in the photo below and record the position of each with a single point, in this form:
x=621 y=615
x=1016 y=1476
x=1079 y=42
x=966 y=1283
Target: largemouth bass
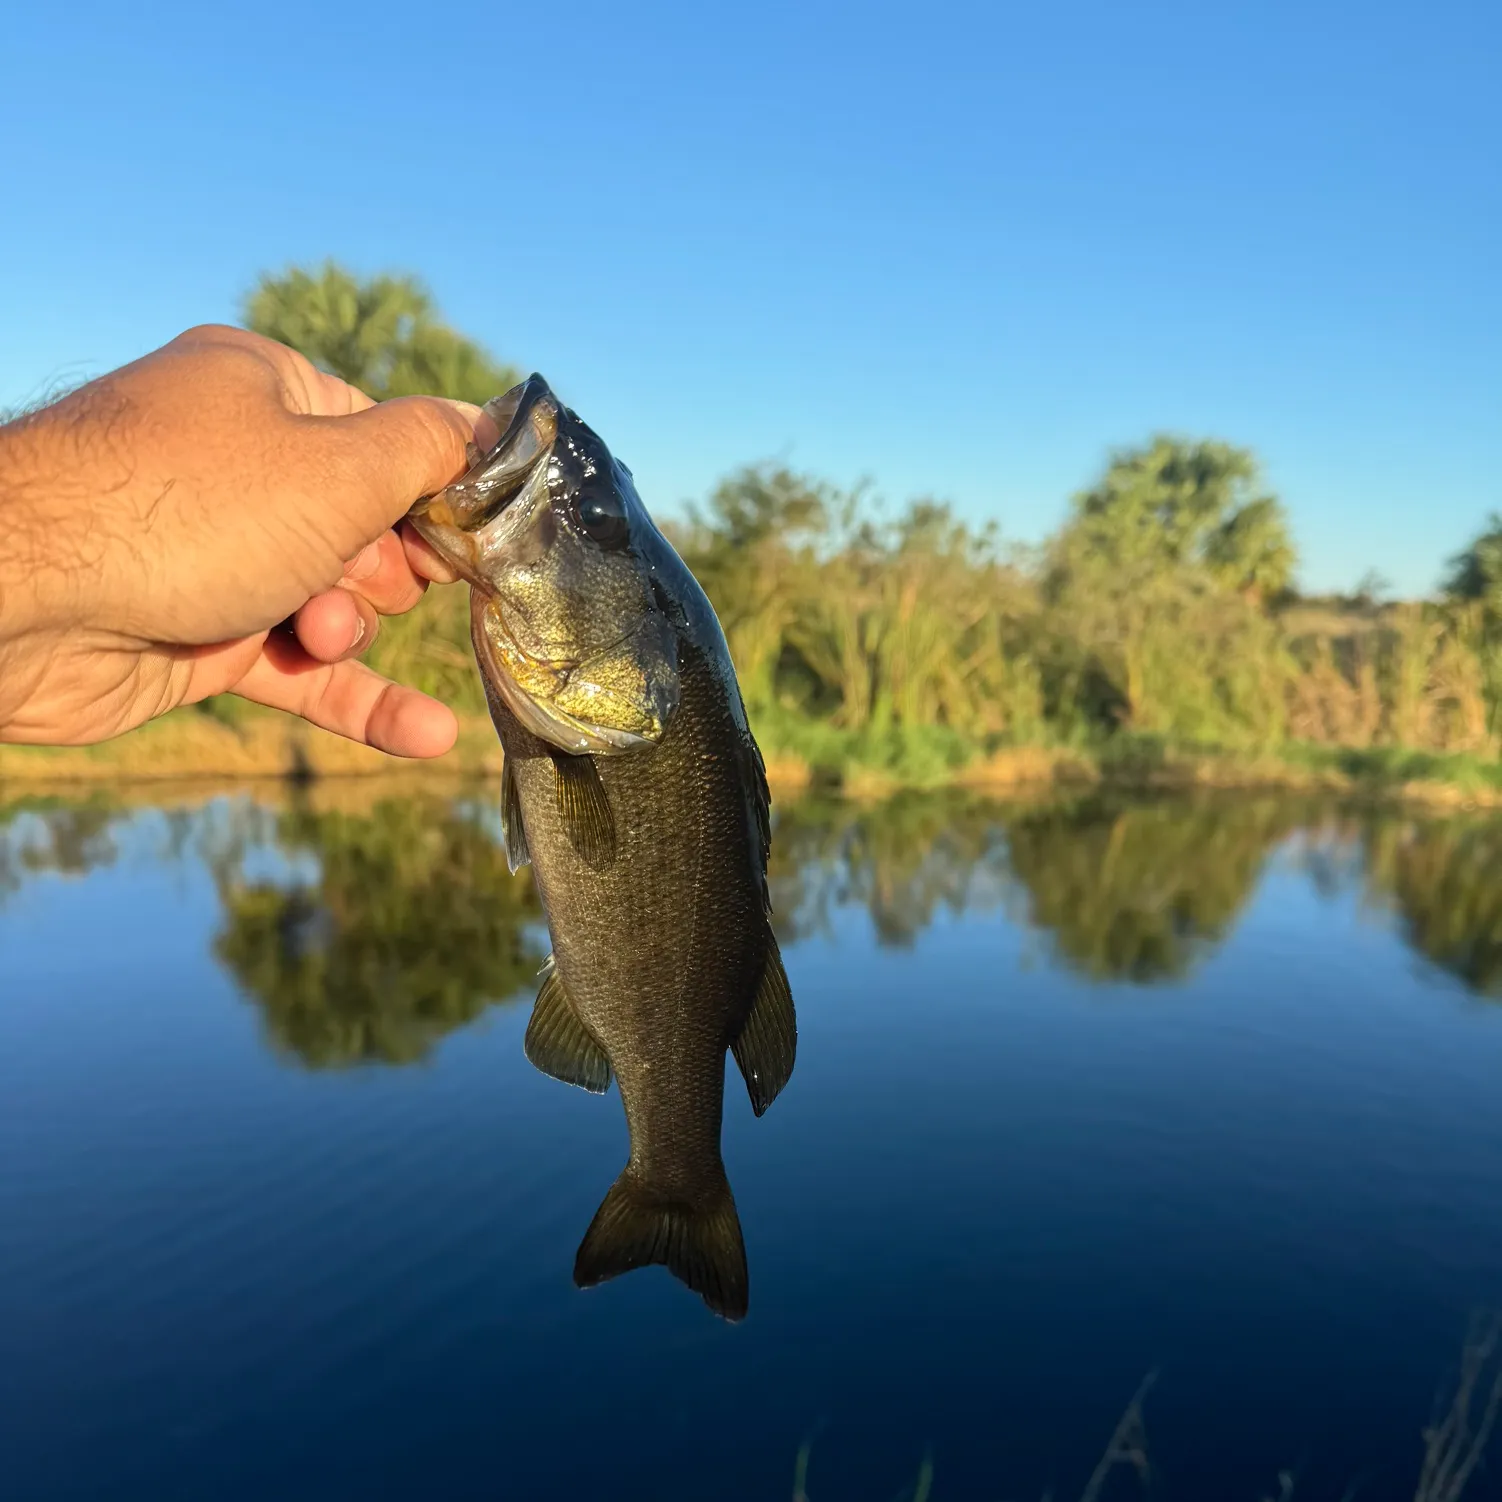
x=633 y=784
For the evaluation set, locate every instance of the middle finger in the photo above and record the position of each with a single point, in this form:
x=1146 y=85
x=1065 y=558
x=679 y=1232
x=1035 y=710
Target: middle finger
x=383 y=575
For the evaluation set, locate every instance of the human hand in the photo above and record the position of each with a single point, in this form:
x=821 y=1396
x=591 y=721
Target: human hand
x=217 y=517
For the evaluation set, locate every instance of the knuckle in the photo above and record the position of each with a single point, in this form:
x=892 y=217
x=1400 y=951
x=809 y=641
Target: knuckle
x=216 y=333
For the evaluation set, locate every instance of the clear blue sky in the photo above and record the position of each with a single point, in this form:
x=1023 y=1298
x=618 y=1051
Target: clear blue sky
x=963 y=250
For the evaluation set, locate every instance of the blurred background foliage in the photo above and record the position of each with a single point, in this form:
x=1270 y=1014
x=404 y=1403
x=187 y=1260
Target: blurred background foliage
x=910 y=641
x=907 y=642
x=381 y=334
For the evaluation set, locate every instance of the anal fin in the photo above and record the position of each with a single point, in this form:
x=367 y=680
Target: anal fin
x=559 y=1044
x=768 y=1044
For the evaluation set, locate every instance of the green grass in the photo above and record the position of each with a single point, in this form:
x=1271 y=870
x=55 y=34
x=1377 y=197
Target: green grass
x=1134 y=758
x=1388 y=765
x=920 y=756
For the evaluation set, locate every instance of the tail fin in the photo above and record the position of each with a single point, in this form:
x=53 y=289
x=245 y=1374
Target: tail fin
x=700 y=1243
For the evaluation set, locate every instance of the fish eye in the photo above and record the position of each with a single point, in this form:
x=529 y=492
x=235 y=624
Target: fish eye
x=602 y=517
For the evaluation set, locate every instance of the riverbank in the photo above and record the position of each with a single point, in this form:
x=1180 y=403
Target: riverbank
x=191 y=747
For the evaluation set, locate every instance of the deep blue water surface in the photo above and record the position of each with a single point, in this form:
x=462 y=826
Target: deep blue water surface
x=1083 y=1092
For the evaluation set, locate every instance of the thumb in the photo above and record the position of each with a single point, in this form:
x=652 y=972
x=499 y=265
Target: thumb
x=389 y=456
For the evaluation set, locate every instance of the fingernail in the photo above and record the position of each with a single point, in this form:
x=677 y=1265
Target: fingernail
x=364 y=563
x=359 y=633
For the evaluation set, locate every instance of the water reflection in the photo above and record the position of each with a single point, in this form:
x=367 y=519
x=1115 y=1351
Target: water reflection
x=52 y=834
x=1444 y=880
x=1142 y=892
x=408 y=926
x=1125 y=890
x=902 y=861
x=366 y=927
x=1242 y=1181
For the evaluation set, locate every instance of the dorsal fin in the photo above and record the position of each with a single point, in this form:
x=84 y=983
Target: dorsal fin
x=761 y=799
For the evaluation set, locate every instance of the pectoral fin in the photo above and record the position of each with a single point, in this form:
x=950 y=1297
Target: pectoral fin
x=585 y=810
x=768 y=1043
x=512 y=831
x=559 y=1044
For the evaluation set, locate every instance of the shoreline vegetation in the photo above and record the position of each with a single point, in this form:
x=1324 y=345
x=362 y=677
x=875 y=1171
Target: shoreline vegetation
x=202 y=747
x=1156 y=639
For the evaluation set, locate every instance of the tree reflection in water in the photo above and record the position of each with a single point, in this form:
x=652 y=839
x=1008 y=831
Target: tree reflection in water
x=366 y=932
x=66 y=836
x=1443 y=877
x=1143 y=891
x=903 y=861
x=409 y=927
x=1126 y=890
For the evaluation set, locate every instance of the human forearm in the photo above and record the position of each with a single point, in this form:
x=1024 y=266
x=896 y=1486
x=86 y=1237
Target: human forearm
x=21 y=487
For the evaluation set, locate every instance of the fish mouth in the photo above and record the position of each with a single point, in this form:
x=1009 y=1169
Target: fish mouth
x=526 y=418
x=528 y=686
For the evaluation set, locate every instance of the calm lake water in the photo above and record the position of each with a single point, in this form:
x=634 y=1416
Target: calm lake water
x=1084 y=1091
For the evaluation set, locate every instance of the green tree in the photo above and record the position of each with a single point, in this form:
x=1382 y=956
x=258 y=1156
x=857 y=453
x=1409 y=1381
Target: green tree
x=761 y=501
x=1156 y=584
x=876 y=628
x=1179 y=503
x=752 y=546
x=1473 y=609
x=1251 y=550
x=1476 y=572
x=382 y=334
